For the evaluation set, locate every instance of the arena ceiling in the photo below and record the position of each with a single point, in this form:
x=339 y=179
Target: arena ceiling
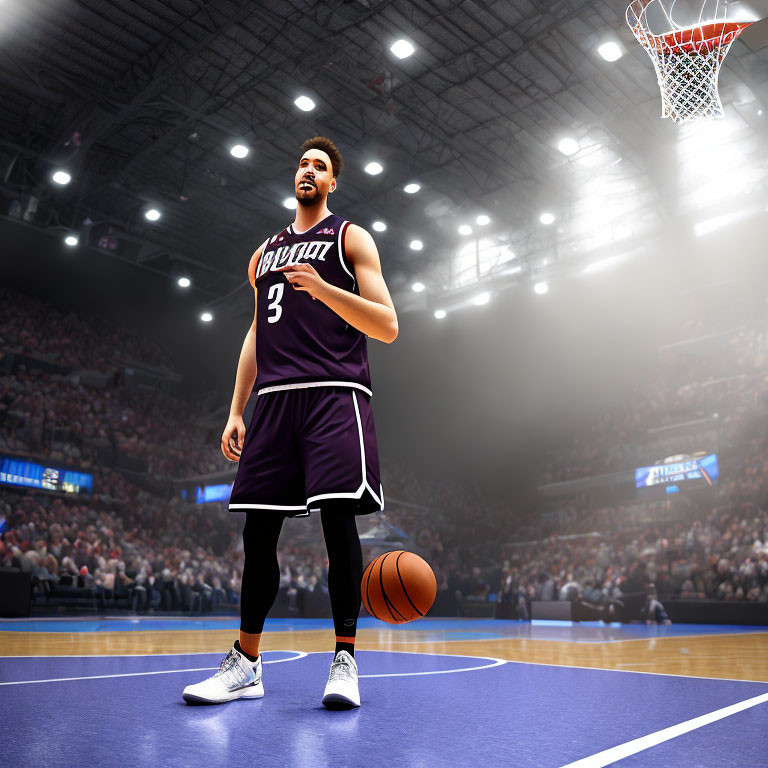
x=142 y=100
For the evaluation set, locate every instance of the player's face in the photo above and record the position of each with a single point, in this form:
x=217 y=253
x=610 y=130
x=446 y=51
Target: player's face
x=314 y=177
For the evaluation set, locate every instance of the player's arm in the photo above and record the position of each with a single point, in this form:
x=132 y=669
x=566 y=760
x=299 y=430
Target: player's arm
x=372 y=312
x=234 y=433
x=246 y=367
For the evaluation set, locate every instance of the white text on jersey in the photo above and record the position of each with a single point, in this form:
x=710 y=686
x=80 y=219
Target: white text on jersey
x=288 y=255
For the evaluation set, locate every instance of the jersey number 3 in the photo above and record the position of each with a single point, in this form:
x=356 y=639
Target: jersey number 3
x=275 y=295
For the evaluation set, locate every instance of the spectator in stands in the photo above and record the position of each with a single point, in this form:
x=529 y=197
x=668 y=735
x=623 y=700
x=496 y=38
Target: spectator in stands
x=570 y=590
x=654 y=611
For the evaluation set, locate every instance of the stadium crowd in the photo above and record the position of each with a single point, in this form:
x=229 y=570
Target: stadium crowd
x=58 y=416
x=122 y=543
x=137 y=549
x=79 y=341
x=725 y=383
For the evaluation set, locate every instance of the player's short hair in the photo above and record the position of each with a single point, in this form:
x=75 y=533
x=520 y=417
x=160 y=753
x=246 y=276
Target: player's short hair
x=324 y=143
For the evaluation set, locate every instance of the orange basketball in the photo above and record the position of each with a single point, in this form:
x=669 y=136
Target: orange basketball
x=398 y=587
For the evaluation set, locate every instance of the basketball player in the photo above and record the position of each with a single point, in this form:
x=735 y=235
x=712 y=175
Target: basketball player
x=311 y=445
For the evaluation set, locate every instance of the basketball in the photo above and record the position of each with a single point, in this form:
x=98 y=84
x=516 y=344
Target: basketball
x=398 y=587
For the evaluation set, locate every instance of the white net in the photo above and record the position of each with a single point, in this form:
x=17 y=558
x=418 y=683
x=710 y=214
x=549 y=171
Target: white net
x=688 y=82
x=687 y=63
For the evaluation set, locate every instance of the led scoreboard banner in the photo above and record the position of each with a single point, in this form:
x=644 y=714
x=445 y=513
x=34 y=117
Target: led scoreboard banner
x=208 y=493
x=205 y=494
x=700 y=472
x=31 y=475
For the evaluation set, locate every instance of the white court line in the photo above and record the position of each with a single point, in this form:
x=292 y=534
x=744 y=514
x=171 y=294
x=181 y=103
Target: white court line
x=495 y=663
x=568 y=666
x=387 y=650
x=686 y=637
x=134 y=619
x=498 y=638
x=225 y=619
x=102 y=677
x=300 y=655
x=610 y=756
x=633 y=672
x=126 y=655
x=425 y=642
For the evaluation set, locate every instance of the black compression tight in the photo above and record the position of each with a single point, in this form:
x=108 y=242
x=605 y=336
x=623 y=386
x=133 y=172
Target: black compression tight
x=345 y=568
x=261 y=572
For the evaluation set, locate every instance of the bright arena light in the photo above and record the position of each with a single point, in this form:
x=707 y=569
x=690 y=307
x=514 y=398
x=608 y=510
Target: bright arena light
x=152 y=214
x=239 y=151
x=481 y=298
x=374 y=168
x=411 y=189
x=417 y=245
x=379 y=226
x=290 y=202
x=541 y=288
x=402 y=49
x=465 y=229
x=418 y=287
x=184 y=282
x=568 y=146
x=610 y=51
x=71 y=240
x=62 y=178
x=304 y=103
x=546 y=218
x=599 y=266
x=206 y=317
x=440 y=314
x=712 y=225
x=482 y=220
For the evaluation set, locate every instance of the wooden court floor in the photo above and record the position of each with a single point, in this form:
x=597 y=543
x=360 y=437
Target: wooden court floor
x=735 y=656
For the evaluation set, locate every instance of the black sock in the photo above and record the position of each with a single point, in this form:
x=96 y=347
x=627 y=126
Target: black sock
x=247 y=655
x=348 y=647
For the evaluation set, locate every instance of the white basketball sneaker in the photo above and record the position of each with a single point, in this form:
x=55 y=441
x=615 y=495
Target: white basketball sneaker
x=237 y=678
x=341 y=692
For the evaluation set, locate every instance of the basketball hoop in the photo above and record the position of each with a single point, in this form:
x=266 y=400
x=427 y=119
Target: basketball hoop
x=687 y=61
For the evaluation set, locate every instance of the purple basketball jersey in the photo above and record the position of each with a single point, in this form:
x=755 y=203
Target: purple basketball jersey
x=301 y=341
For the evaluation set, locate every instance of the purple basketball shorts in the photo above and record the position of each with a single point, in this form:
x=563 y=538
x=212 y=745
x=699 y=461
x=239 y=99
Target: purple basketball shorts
x=308 y=446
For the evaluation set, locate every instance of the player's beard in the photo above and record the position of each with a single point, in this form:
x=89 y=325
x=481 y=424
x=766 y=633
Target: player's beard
x=308 y=200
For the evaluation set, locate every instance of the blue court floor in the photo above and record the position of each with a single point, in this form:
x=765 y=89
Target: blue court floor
x=418 y=709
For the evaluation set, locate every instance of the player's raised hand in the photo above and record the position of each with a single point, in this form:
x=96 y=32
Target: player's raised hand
x=233 y=438
x=304 y=277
